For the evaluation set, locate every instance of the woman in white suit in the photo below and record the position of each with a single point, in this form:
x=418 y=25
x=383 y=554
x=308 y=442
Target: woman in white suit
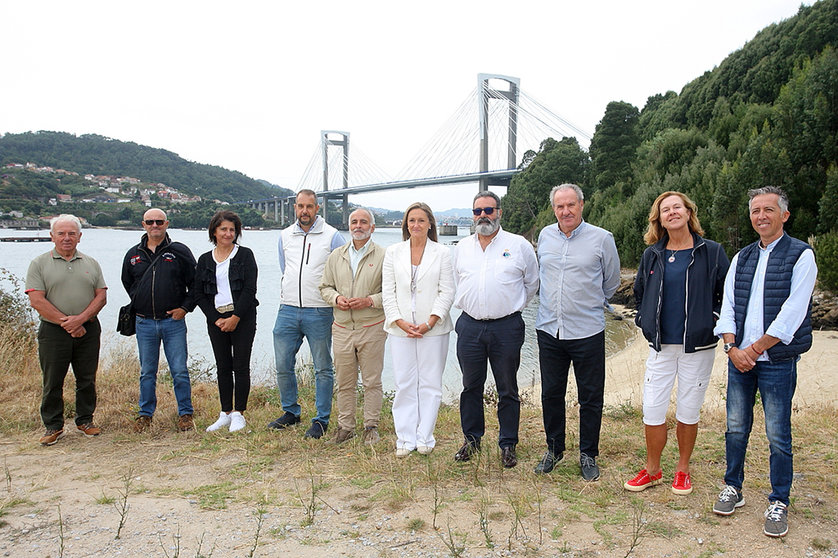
x=418 y=290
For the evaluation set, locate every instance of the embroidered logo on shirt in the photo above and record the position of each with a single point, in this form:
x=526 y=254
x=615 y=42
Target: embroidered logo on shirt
x=135 y=260
x=506 y=253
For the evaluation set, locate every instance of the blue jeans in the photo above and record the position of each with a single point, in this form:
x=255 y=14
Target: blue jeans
x=315 y=324
x=172 y=333
x=776 y=382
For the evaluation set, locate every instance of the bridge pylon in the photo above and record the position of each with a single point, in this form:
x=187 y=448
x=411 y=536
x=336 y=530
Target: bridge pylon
x=511 y=96
x=327 y=140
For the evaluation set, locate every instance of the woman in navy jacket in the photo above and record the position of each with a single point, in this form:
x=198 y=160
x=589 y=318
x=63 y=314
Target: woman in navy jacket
x=225 y=289
x=678 y=291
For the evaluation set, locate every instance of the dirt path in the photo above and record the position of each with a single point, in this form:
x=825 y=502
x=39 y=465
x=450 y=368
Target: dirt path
x=200 y=495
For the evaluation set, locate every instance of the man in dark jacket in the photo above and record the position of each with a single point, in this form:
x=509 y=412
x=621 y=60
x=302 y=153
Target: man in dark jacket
x=161 y=299
x=766 y=326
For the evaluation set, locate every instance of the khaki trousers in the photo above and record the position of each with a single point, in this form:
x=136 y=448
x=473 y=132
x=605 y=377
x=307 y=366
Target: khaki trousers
x=356 y=349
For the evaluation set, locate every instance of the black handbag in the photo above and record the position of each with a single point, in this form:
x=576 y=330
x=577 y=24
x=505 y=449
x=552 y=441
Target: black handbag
x=126 y=321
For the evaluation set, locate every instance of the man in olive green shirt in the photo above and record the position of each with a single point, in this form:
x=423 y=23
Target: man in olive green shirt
x=67 y=290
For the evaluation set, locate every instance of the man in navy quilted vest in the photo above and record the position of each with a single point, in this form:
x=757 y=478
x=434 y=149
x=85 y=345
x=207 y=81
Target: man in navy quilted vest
x=765 y=324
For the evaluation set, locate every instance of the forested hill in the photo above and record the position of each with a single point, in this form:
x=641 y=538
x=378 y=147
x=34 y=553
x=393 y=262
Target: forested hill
x=94 y=154
x=766 y=115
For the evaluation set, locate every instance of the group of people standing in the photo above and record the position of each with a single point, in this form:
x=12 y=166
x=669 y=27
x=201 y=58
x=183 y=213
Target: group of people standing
x=347 y=299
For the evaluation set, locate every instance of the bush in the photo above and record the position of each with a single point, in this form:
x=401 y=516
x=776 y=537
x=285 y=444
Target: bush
x=826 y=253
x=18 y=317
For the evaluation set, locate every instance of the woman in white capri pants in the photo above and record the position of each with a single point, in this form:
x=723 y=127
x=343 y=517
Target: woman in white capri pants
x=678 y=291
x=417 y=290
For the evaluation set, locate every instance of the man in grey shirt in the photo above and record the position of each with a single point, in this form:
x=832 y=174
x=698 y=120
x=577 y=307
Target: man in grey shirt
x=579 y=271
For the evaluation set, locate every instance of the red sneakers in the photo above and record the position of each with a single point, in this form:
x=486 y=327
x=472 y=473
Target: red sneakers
x=643 y=481
x=681 y=484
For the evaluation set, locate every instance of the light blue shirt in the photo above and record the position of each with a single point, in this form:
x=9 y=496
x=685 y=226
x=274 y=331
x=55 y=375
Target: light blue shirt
x=356 y=255
x=792 y=312
x=578 y=274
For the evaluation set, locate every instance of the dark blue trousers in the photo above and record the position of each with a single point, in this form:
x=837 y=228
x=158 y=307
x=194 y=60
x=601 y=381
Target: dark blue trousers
x=588 y=358
x=497 y=342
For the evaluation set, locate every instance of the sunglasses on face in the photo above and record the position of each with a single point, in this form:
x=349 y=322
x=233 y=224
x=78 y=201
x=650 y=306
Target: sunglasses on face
x=158 y=222
x=487 y=210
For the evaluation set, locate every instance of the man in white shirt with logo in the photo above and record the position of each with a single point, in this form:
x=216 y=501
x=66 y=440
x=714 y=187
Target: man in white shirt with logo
x=496 y=274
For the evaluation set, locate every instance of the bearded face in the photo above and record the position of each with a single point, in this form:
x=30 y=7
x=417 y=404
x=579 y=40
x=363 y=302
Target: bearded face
x=486 y=225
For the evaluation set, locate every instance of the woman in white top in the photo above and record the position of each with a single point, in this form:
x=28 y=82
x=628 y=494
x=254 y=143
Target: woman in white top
x=225 y=289
x=418 y=290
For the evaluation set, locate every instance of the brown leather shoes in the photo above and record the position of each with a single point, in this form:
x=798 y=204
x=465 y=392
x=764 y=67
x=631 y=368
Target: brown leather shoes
x=90 y=430
x=51 y=436
x=466 y=451
x=343 y=435
x=185 y=423
x=508 y=457
x=142 y=423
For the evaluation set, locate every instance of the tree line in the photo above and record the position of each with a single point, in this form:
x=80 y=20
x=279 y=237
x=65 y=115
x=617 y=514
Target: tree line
x=767 y=115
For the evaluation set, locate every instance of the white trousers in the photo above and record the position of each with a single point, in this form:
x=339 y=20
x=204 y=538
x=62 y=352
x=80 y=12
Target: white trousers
x=693 y=373
x=417 y=370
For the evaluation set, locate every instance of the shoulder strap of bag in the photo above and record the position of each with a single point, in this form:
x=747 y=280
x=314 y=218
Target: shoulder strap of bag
x=149 y=268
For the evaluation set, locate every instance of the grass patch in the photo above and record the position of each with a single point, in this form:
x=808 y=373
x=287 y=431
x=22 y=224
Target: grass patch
x=213 y=496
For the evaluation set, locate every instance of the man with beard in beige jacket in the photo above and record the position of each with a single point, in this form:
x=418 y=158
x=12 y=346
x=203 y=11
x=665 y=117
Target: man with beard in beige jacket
x=351 y=284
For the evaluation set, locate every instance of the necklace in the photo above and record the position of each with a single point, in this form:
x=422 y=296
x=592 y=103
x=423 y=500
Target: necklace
x=672 y=251
x=218 y=256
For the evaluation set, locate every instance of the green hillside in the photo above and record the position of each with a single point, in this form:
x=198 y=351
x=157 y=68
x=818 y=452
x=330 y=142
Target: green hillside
x=98 y=155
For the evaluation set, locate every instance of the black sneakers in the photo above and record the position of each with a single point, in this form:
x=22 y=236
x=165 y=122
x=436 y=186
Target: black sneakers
x=548 y=462
x=316 y=430
x=590 y=470
x=286 y=420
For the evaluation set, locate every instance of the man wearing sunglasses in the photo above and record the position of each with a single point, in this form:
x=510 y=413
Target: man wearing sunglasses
x=496 y=274
x=161 y=299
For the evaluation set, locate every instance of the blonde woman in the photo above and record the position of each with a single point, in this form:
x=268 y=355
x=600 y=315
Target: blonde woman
x=678 y=291
x=417 y=290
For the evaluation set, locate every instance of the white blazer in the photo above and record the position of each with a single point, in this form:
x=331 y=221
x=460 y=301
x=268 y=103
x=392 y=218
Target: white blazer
x=434 y=287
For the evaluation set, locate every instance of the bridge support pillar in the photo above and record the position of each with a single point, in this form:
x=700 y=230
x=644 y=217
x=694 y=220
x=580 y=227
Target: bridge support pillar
x=325 y=141
x=486 y=92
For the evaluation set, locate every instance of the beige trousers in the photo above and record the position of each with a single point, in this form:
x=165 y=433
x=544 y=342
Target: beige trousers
x=356 y=349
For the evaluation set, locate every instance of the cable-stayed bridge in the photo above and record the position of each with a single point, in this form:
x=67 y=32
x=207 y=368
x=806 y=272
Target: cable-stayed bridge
x=482 y=143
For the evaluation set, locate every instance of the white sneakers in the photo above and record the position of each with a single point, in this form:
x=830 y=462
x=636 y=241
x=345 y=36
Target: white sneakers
x=237 y=421
x=234 y=420
x=223 y=420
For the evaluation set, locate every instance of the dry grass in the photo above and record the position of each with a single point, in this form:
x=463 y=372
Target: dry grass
x=511 y=509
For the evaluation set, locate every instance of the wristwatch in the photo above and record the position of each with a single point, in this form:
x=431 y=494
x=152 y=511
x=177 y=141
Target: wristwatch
x=728 y=346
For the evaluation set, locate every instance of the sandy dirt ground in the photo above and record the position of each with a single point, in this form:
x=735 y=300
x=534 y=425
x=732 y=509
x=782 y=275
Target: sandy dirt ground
x=64 y=500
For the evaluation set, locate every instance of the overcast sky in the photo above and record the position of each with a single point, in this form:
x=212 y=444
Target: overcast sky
x=249 y=85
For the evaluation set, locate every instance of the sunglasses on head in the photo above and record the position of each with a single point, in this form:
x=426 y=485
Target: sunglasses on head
x=486 y=210
x=158 y=222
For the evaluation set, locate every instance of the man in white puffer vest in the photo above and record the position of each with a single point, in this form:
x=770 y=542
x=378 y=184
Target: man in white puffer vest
x=303 y=249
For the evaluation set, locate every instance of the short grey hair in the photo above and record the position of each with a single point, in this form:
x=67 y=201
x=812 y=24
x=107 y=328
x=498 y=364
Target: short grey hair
x=567 y=186
x=364 y=209
x=783 y=200
x=487 y=194
x=64 y=218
